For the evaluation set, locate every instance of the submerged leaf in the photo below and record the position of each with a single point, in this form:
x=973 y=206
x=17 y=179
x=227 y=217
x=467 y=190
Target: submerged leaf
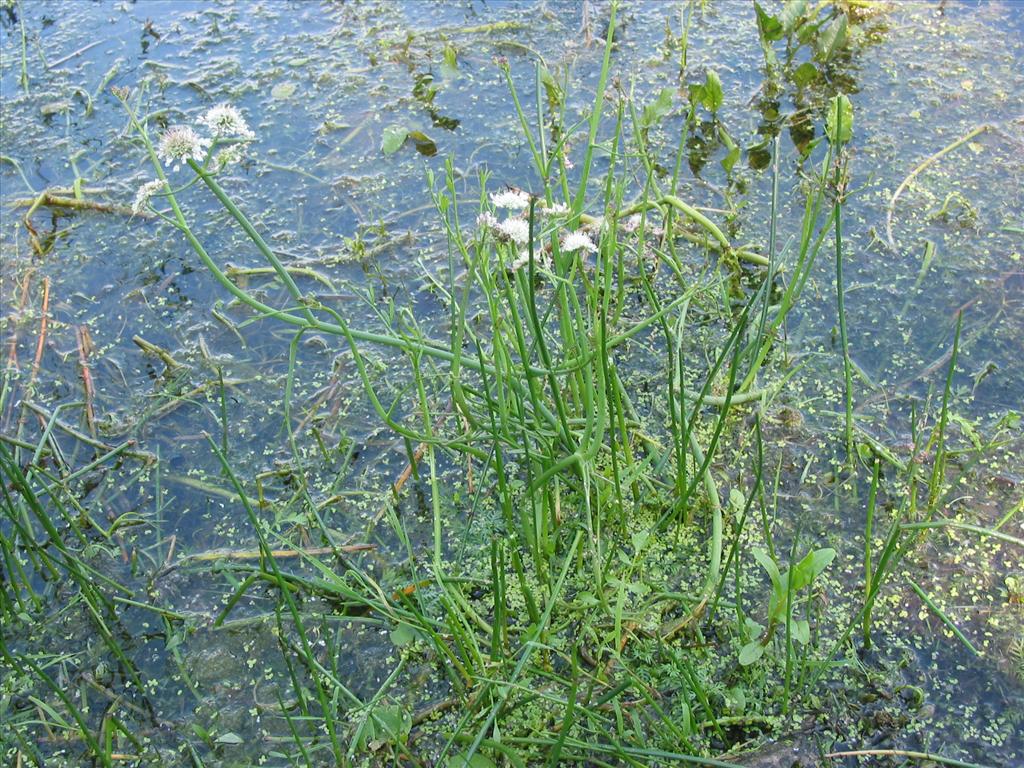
x=394 y=137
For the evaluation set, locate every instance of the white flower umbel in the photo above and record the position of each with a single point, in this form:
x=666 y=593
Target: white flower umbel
x=146 y=191
x=541 y=261
x=514 y=230
x=513 y=199
x=486 y=221
x=556 y=209
x=181 y=144
x=226 y=122
x=576 y=241
x=229 y=156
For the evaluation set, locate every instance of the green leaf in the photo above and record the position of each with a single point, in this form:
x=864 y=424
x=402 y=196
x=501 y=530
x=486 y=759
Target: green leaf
x=658 y=109
x=476 y=761
x=768 y=27
x=229 y=738
x=394 y=137
x=551 y=86
x=450 y=63
x=805 y=74
x=424 y=144
x=395 y=723
x=811 y=566
x=403 y=635
x=727 y=163
x=283 y=91
x=839 y=120
x=791 y=16
x=769 y=565
x=751 y=652
x=712 y=92
x=831 y=38
x=801 y=631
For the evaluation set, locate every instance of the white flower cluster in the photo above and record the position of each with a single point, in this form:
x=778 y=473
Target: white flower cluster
x=181 y=143
x=226 y=122
x=513 y=199
x=578 y=241
x=146 y=191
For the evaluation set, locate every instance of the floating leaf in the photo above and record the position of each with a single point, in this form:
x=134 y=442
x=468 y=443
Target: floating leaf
x=424 y=144
x=229 y=738
x=403 y=635
x=394 y=137
x=283 y=91
x=839 y=120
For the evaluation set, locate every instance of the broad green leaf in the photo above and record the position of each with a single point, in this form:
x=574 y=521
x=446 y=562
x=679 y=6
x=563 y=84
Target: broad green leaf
x=805 y=74
x=792 y=15
x=402 y=635
x=839 y=120
x=768 y=27
x=831 y=38
x=712 y=92
x=811 y=566
x=769 y=565
x=751 y=652
x=394 y=137
x=229 y=738
x=394 y=723
x=801 y=631
x=476 y=761
x=424 y=144
x=658 y=109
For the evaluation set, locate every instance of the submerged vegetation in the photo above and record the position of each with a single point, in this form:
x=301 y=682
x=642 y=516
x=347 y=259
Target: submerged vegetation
x=637 y=519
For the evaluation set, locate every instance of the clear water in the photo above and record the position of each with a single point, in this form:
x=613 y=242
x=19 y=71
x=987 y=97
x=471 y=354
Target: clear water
x=320 y=82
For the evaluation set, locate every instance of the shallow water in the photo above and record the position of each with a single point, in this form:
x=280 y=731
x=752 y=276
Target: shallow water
x=320 y=83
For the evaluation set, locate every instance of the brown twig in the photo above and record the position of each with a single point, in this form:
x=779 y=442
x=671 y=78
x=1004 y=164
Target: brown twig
x=85 y=346
x=49 y=200
x=12 y=353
